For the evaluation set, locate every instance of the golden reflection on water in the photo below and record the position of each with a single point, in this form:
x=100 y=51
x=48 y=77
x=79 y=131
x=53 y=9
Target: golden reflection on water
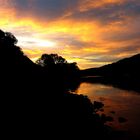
x=125 y=104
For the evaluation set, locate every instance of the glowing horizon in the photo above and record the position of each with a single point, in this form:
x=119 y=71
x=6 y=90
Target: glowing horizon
x=92 y=33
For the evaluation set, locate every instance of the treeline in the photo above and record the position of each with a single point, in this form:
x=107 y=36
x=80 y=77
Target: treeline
x=36 y=100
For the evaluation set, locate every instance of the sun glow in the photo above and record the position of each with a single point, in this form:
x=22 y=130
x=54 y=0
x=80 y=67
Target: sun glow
x=36 y=42
x=89 y=29
x=46 y=43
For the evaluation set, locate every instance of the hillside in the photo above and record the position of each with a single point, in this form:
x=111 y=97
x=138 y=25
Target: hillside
x=125 y=67
x=123 y=73
x=36 y=99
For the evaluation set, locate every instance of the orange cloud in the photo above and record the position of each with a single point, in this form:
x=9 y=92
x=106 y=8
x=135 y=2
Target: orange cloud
x=89 y=4
x=81 y=34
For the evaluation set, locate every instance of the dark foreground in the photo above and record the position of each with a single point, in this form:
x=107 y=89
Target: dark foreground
x=37 y=102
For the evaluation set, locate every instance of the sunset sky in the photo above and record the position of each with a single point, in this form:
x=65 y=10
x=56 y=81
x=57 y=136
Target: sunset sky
x=90 y=32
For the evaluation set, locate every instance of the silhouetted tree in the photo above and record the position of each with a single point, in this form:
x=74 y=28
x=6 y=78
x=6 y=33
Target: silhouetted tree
x=12 y=58
x=50 y=60
x=73 y=66
x=45 y=60
x=1 y=34
x=7 y=38
x=59 y=64
x=57 y=67
x=58 y=59
x=25 y=104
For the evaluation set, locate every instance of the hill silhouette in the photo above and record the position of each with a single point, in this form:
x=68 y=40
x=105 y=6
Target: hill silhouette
x=37 y=101
x=124 y=73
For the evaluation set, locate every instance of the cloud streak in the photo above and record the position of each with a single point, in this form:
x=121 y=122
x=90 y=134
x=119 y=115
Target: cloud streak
x=91 y=32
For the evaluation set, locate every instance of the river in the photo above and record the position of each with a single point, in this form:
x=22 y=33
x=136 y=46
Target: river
x=117 y=103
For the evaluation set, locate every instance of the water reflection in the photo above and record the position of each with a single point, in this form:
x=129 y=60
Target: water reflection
x=118 y=103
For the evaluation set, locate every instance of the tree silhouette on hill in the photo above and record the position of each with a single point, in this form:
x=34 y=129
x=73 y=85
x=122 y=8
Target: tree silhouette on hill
x=36 y=97
x=15 y=65
x=50 y=60
x=58 y=66
x=7 y=38
x=12 y=54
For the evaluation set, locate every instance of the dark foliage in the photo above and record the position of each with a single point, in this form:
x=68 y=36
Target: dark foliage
x=49 y=60
x=59 y=68
x=36 y=100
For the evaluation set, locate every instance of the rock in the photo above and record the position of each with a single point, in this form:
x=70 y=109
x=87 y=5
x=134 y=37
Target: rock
x=122 y=120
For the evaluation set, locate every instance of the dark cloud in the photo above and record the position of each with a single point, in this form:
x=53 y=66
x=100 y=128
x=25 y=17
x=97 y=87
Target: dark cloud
x=123 y=36
x=127 y=13
x=46 y=9
x=100 y=58
x=107 y=58
x=105 y=15
x=55 y=9
x=130 y=49
x=110 y=13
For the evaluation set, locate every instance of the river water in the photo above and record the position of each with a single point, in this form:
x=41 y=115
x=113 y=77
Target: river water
x=117 y=103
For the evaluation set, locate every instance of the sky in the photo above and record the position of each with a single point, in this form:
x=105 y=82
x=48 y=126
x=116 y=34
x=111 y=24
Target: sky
x=90 y=32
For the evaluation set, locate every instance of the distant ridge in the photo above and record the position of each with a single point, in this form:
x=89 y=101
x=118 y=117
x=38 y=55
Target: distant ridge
x=124 y=74
x=126 y=67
